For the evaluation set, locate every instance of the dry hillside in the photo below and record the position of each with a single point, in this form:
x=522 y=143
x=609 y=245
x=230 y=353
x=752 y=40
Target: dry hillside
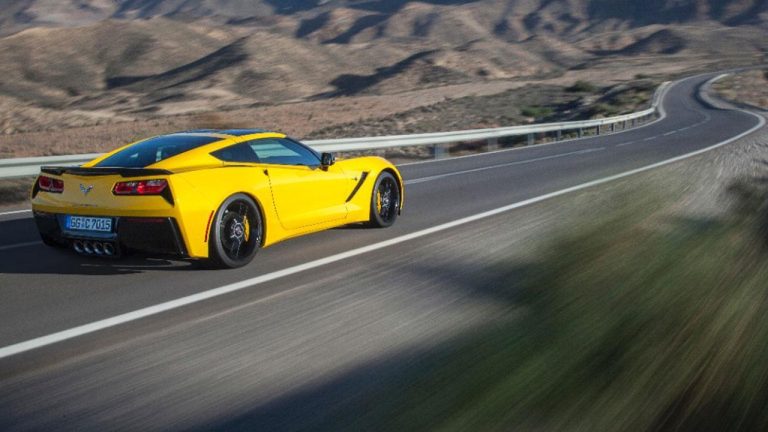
x=90 y=63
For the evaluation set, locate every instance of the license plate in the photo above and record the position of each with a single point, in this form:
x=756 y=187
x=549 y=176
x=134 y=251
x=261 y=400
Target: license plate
x=82 y=223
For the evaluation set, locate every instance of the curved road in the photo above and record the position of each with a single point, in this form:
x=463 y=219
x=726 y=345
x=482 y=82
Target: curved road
x=306 y=313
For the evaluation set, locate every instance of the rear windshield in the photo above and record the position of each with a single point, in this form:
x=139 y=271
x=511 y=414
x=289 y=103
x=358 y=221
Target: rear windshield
x=154 y=150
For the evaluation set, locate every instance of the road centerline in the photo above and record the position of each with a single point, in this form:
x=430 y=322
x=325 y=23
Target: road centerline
x=20 y=245
x=504 y=165
x=8 y=213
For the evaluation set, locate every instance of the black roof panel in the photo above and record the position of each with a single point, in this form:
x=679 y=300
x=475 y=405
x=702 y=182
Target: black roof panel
x=241 y=132
x=232 y=132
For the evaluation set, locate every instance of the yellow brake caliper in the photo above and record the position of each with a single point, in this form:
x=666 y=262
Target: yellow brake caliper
x=247 y=228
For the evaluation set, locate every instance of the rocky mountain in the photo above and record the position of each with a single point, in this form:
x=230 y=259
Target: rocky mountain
x=551 y=15
x=123 y=58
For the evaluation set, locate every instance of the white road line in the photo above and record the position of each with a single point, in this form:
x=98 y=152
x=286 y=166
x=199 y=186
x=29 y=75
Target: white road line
x=650 y=138
x=670 y=133
x=74 y=332
x=625 y=143
x=19 y=245
x=508 y=164
x=15 y=212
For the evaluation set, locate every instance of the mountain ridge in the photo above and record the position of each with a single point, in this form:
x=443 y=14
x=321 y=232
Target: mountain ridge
x=132 y=58
x=532 y=14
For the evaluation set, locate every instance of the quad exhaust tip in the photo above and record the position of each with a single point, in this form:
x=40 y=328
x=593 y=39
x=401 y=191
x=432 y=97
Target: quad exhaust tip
x=88 y=247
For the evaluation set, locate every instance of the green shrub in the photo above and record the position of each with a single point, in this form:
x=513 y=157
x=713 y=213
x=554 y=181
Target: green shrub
x=603 y=109
x=536 y=111
x=582 y=87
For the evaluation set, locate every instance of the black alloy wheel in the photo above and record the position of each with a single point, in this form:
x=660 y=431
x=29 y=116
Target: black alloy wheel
x=385 y=201
x=236 y=232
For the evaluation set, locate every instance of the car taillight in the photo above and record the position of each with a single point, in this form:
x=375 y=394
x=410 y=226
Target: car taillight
x=49 y=184
x=140 y=187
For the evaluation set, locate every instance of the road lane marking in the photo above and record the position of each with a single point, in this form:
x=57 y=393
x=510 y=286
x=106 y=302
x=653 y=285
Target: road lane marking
x=19 y=245
x=15 y=212
x=625 y=143
x=85 y=329
x=504 y=165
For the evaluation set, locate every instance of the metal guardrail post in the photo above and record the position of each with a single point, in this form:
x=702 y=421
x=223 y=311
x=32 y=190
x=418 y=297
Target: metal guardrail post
x=440 y=151
x=581 y=132
x=559 y=135
x=531 y=139
x=493 y=144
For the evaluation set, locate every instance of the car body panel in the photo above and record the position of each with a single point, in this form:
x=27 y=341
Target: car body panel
x=293 y=200
x=298 y=206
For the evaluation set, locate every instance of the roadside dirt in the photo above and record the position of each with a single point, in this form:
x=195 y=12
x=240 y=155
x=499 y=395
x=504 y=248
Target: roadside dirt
x=748 y=88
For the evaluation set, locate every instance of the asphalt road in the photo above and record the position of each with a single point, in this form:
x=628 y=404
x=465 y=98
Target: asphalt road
x=283 y=351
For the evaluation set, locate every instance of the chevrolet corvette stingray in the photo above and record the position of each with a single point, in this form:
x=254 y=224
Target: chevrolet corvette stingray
x=217 y=196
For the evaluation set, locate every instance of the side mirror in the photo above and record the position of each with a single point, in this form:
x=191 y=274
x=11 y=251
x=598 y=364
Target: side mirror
x=327 y=159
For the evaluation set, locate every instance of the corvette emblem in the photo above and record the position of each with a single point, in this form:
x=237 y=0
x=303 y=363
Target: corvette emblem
x=85 y=189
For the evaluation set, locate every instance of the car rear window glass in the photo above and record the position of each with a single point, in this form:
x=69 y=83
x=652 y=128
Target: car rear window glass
x=153 y=150
x=236 y=153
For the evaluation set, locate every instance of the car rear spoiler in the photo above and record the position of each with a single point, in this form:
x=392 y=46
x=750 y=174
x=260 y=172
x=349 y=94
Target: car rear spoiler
x=100 y=171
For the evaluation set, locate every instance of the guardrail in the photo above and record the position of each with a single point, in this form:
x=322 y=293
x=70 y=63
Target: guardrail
x=21 y=167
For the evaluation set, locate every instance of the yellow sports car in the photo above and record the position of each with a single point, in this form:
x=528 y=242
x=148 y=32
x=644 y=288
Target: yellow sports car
x=211 y=195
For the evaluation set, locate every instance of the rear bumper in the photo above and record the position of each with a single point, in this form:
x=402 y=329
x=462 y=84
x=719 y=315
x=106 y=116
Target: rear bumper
x=145 y=235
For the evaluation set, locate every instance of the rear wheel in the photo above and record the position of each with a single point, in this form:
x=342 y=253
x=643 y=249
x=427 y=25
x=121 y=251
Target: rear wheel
x=385 y=201
x=236 y=233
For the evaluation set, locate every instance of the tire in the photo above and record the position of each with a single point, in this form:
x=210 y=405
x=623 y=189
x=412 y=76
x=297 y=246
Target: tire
x=236 y=233
x=385 y=201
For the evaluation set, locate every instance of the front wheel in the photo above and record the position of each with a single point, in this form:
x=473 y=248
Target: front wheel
x=236 y=233
x=385 y=201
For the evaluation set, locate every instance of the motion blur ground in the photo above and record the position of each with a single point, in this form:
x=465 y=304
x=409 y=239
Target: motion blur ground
x=640 y=321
